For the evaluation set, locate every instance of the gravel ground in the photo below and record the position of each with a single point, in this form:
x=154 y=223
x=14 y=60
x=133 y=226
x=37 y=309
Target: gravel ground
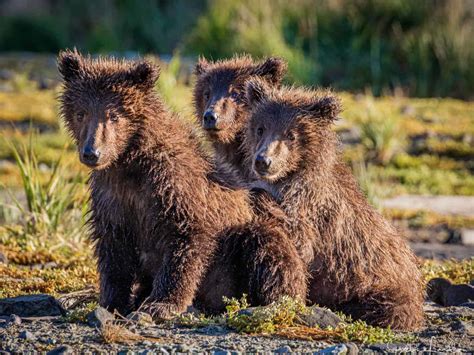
x=448 y=330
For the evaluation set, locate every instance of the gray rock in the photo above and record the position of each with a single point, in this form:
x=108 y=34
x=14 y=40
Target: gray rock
x=163 y=351
x=219 y=351
x=319 y=317
x=463 y=327
x=99 y=316
x=336 y=349
x=283 y=350
x=141 y=318
x=14 y=320
x=182 y=348
x=31 y=306
x=391 y=348
x=63 y=349
x=443 y=292
x=467 y=304
x=6 y=74
x=408 y=110
x=467 y=236
x=27 y=335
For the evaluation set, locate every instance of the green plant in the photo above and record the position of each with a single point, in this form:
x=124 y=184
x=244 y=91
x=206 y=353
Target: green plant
x=262 y=319
x=366 y=179
x=54 y=205
x=79 y=314
x=380 y=133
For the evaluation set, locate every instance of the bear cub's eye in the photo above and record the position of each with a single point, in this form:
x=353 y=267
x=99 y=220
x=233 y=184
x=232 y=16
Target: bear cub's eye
x=290 y=136
x=260 y=131
x=80 y=116
x=206 y=95
x=113 y=117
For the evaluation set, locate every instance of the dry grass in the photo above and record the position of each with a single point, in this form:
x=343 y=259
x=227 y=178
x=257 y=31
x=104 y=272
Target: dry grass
x=117 y=333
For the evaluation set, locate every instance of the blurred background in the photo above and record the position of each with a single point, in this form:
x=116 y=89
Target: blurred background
x=404 y=70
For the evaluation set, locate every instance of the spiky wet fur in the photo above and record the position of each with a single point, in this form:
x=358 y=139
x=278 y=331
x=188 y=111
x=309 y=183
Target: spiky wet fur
x=357 y=261
x=158 y=203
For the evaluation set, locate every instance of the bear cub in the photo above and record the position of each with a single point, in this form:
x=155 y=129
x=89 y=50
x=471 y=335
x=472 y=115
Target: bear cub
x=357 y=261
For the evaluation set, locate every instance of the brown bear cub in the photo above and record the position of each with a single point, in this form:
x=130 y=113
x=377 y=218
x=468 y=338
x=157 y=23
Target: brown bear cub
x=357 y=261
x=219 y=102
x=155 y=208
x=158 y=205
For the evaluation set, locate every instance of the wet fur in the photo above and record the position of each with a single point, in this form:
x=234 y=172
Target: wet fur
x=159 y=204
x=225 y=81
x=357 y=261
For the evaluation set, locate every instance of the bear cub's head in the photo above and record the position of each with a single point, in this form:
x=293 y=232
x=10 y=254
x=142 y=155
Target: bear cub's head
x=103 y=103
x=219 y=93
x=289 y=130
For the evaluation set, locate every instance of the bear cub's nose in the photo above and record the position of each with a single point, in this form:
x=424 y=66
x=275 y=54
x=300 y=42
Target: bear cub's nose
x=90 y=155
x=262 y=163
x=210 y=120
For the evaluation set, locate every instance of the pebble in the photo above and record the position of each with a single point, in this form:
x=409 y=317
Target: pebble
x=467 y=236
x=14 y=320
x=27 y=335
x=336 y=349
x=319 y=317
x=31 y=306
x=63 y=349
x=182 y=348
x=98 y=317
x=283 y=350
x=463 y=327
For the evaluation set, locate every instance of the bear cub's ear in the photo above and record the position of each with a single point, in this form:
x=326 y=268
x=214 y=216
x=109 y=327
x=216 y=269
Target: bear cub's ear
x=273 y=69
x=325 y=108
x=256 y=90
x=70 y=64
x=201 y=66
x=144 y=74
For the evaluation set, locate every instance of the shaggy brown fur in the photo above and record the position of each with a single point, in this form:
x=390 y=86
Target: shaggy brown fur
x=357 y=261
x=157 y=203
x=219 y=101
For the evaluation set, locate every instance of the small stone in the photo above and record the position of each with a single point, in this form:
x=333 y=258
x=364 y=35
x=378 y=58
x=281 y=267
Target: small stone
x=319 y=317
x=141 y=318
x=6 y=74
x=31 y=306
x=14 y=320
x=63 y=349
x=441 y=291
x=220 y=352
x=3 y=258
x=336 y=349
x=352 y=349
x=182 y=348
x=99 y=316
x=283 y=350
x=390 y=348
x=467 y=236
x=27 y=335
x=163 y=351
x=463 y=327
x=408 y=110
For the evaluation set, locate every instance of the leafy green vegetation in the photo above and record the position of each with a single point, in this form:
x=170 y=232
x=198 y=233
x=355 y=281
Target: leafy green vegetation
x=281 y=318
x=423 y=48
x=454 y=270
